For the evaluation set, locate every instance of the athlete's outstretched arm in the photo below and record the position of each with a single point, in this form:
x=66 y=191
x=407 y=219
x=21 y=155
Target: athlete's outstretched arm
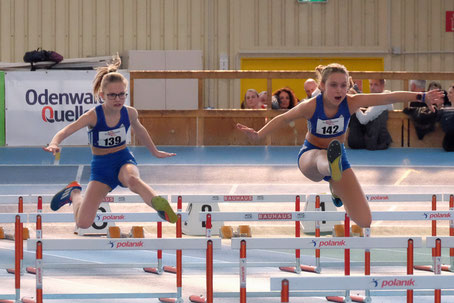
x=303 y=110
x=87 y=119
x=143 y=136
x=431 y=98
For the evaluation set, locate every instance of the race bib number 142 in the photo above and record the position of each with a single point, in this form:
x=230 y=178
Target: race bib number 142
x=330 y=127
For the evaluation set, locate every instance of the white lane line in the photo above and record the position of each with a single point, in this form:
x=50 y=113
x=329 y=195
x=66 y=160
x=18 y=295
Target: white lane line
x=80 y=169
x=405 y=175
x=233 y=189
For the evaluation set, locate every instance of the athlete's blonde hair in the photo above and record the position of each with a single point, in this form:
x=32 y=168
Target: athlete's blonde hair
x=108 y=74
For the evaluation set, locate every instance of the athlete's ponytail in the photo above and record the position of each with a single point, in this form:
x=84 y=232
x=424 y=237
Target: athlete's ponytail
x=108 y=74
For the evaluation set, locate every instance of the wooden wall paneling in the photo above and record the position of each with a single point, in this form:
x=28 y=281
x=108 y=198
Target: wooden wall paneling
x=433 y=139
x=88 y=28
x=223 y=42
x=370 y=28
x=170 y=130
x=129 y=29
x=102 y=30
x=317 y=25
x=116 y=25
x=395 y=125
x=142 y=26
x=18 y=27
x=48 y=24
x=6 y=31
x=222 y=130
x=34 y=25
x=293 y=134
x=170 y=39
x=331 y=26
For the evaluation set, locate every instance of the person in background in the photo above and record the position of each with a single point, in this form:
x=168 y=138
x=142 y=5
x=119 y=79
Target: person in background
x=417 y=85
x=251 y=100
x=368 y=128
x=311 y=88
x=284 y=98
x=112 y=164
x=437 y=85
x=263 y=97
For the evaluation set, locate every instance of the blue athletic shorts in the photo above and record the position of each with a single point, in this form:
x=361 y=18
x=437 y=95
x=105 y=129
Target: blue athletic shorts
x=308 y=146
x=105 y=169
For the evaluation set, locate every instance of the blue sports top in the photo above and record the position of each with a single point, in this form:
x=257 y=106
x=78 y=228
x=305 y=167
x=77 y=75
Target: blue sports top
x=103 y=136
x=321 y=126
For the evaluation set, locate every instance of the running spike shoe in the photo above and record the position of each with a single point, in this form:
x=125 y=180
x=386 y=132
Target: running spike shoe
x=164 y=210
x=334 y=154
x=336 y=200
x=64 y=196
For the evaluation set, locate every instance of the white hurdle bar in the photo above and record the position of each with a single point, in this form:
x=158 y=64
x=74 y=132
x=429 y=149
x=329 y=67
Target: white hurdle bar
x=207 y=199
x=41 y=245
x=18 y=220
x=315 y=243
x=100 y=218
x=378 y=285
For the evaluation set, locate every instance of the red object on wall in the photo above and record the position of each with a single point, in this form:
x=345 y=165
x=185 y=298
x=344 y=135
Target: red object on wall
x=450 y=21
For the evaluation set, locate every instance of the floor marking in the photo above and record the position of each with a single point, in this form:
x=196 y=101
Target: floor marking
x=233 y=189
x=57 y=158
x=405 y=175
x=80 y=169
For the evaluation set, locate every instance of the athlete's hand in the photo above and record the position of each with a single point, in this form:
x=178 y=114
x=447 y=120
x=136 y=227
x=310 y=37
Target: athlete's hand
x=52 y=148
x=250 y=132
x=163 y=154
x=434 y=97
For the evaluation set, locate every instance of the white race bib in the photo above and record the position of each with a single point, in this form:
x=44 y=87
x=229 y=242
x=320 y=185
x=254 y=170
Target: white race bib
x=112 y=137
x=330 y=127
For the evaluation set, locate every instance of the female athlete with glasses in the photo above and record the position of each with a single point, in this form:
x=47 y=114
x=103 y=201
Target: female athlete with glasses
x=112 y=164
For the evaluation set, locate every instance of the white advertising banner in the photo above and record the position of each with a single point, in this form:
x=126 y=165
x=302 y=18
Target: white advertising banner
x=38 y=104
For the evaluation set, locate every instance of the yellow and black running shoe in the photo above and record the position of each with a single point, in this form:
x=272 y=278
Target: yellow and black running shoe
x=164 y=209
x=334 y=153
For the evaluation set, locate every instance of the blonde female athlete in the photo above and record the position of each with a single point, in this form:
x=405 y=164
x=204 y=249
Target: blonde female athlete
x=323 y=155
x=112 y=164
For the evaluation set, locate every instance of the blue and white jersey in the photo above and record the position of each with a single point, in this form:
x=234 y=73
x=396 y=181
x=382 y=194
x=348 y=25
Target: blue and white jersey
x=323 y=127
x=103 y=136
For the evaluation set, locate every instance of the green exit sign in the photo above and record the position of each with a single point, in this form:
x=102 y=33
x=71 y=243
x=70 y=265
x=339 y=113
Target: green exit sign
x=311 y=1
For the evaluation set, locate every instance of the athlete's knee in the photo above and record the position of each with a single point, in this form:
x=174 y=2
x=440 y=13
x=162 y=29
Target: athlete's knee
x=133 y=182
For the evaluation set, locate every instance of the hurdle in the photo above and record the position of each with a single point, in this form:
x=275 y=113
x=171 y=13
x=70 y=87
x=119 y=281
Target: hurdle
x=379 y=285
x=18 y=220
x=246 y=198
x=41 y=245
x=103 y=218
x=314 y=243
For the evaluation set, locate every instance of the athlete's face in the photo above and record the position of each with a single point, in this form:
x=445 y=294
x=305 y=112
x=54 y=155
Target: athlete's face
x=335 y=88
x=114 y=94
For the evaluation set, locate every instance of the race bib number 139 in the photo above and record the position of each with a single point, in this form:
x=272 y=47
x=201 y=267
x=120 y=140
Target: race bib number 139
x=112 y=137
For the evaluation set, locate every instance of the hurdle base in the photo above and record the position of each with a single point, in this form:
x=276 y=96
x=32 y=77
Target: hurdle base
x=170 y=269
x=28 y=300
x=31 y=270
x=446 y=268
x=423 y=267
x=168 y=300
x=152 y=270
x=303 y=268
x=197 y=299
x=6 y=301
x=341 y=299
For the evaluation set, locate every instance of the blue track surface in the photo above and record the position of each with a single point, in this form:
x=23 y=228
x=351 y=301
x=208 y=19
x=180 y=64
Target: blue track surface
x=234 y=155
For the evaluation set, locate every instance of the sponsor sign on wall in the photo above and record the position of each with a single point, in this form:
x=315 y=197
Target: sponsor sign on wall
x=38 y=104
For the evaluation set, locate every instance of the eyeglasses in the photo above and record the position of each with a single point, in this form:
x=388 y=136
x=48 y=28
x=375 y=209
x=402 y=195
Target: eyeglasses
x=113 y=96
